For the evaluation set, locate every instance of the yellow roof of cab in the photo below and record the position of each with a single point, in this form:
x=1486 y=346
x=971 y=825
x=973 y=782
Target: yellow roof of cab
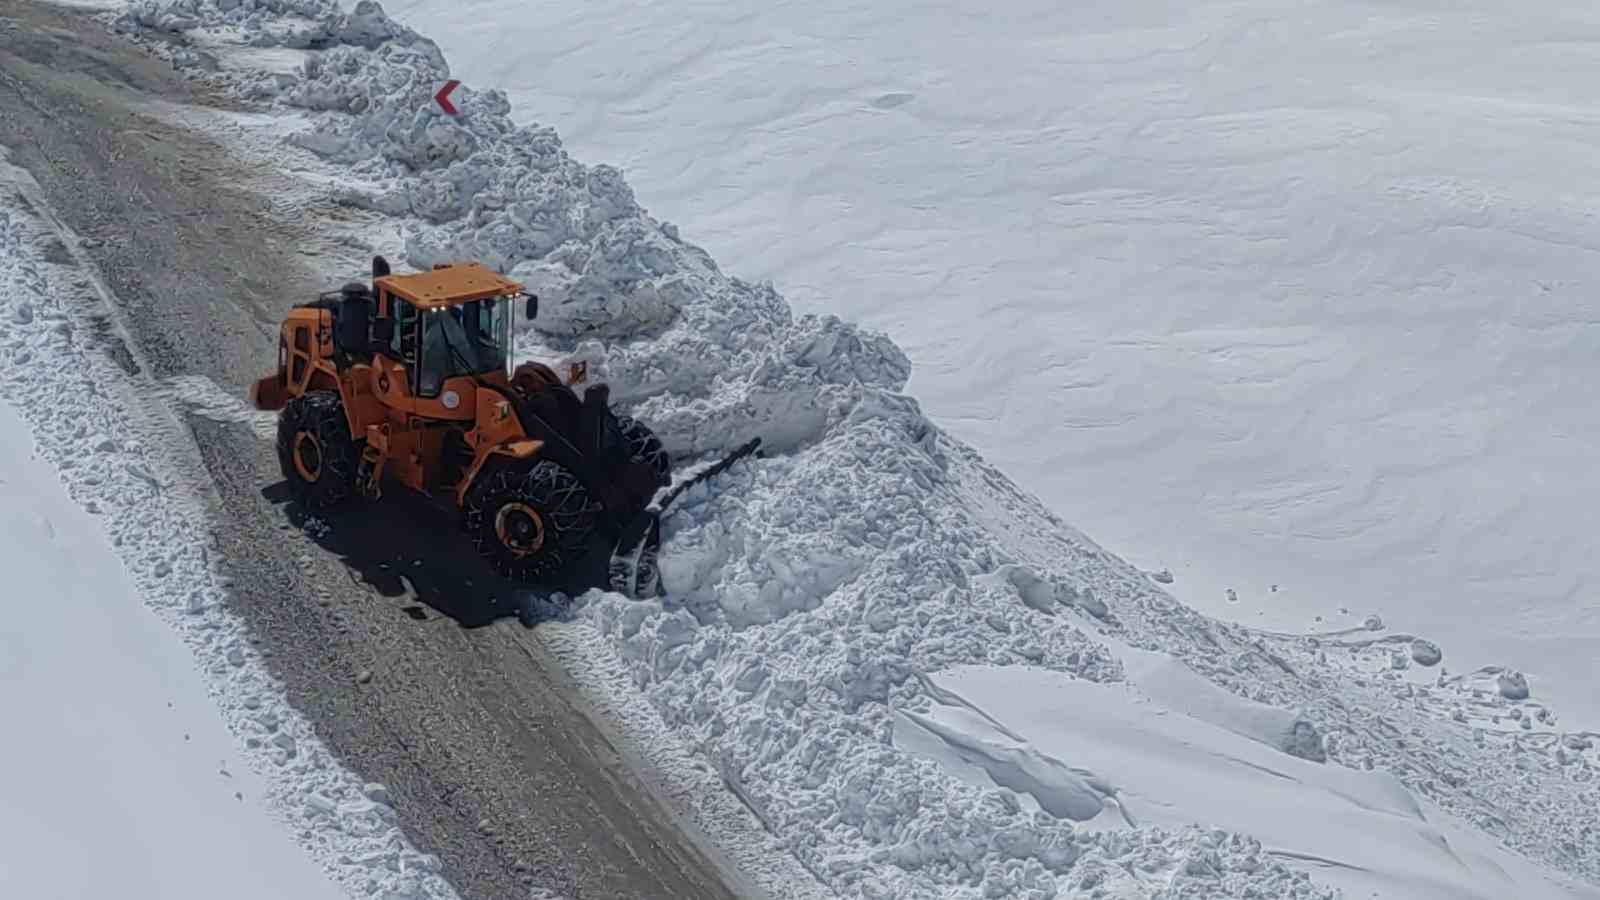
x=449 y=285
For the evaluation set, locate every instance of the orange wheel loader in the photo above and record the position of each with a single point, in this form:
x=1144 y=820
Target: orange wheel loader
x=409 y=381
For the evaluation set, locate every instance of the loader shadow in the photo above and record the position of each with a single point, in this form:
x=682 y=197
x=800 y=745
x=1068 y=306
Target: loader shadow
x=407 y=549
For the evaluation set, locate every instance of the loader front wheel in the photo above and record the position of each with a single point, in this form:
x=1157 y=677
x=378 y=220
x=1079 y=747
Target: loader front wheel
x=318 y=456
x=531 y=522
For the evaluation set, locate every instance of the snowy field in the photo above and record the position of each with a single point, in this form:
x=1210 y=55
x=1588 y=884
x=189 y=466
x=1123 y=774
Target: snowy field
x=120 y=779
x=878 y=657
x=1293 y=300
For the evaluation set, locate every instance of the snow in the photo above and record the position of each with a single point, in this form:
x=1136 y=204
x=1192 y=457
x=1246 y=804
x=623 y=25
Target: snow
x=1256 y=292
x=114 y=751
x=1365 y=833
x=795 y=681
x=97 y=764
x=1177 y=687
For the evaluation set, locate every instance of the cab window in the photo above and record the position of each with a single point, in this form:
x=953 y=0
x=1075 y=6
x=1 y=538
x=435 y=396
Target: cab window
x=403 y=344
x=466 y=339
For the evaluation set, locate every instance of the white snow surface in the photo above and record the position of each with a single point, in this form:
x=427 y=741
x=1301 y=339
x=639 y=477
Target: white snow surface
x=1292 y=300
x=1132 y=758
x=114 y=752
x=817 y=597
x=108 y=790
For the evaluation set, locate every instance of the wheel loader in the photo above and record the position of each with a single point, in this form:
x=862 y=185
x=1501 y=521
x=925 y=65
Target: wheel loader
x=409 y=381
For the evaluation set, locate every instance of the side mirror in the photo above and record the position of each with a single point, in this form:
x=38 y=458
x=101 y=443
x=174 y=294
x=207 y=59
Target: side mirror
x=532 y=311
x=383 y=331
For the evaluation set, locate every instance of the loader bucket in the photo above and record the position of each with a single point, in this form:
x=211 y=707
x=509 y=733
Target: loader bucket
x=633 y=569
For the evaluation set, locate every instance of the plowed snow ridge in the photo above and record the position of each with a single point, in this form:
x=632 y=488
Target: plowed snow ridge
x=814 y=594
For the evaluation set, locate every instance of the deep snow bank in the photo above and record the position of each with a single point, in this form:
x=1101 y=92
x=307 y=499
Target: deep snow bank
x=810 y=594
x=114 y=751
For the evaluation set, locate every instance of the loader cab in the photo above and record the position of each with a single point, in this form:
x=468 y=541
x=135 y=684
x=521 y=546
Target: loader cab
x=451 y=322
x=442 y=342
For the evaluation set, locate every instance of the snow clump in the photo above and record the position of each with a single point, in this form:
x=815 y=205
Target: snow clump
x=1513 y=685
x=1425 y=653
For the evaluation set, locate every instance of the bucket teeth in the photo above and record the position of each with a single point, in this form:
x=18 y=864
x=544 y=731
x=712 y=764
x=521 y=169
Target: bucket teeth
x=633 y=563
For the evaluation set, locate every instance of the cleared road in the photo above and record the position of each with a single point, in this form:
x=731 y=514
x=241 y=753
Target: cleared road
x=466 y=726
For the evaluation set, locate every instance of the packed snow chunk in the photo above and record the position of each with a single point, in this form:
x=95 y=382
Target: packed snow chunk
x=745 y=576
x=1369 y=835
x=368 y=26
x=1045 y=593
x=320 y=804
x=1172 y=683
x=800 y=582
x=706 y=393
x=386 y=94
x=156 y=16
x=1513 y=685
x=1036 y=592
x=1425 y=653
x=622 y=284
x=953 y=733
x=385 y=120
x=842 y=353
x=1084 y=598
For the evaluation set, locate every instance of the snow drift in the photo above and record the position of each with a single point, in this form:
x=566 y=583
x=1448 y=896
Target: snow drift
x=96 y=695
x=812 y=595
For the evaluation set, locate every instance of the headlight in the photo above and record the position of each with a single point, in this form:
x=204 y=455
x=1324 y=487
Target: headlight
x=451 y=399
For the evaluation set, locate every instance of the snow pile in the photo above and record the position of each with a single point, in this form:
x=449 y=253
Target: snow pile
x=813 y=595
x=114 y=450
x=1167 y=769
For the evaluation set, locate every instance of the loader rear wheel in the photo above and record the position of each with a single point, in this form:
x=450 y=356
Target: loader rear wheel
x=646 y=448
x=530 y=521
x=318 y=456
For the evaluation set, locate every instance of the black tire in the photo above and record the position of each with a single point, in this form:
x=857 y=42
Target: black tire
x=530 y=521
x=318 y=456
x=646 y=448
